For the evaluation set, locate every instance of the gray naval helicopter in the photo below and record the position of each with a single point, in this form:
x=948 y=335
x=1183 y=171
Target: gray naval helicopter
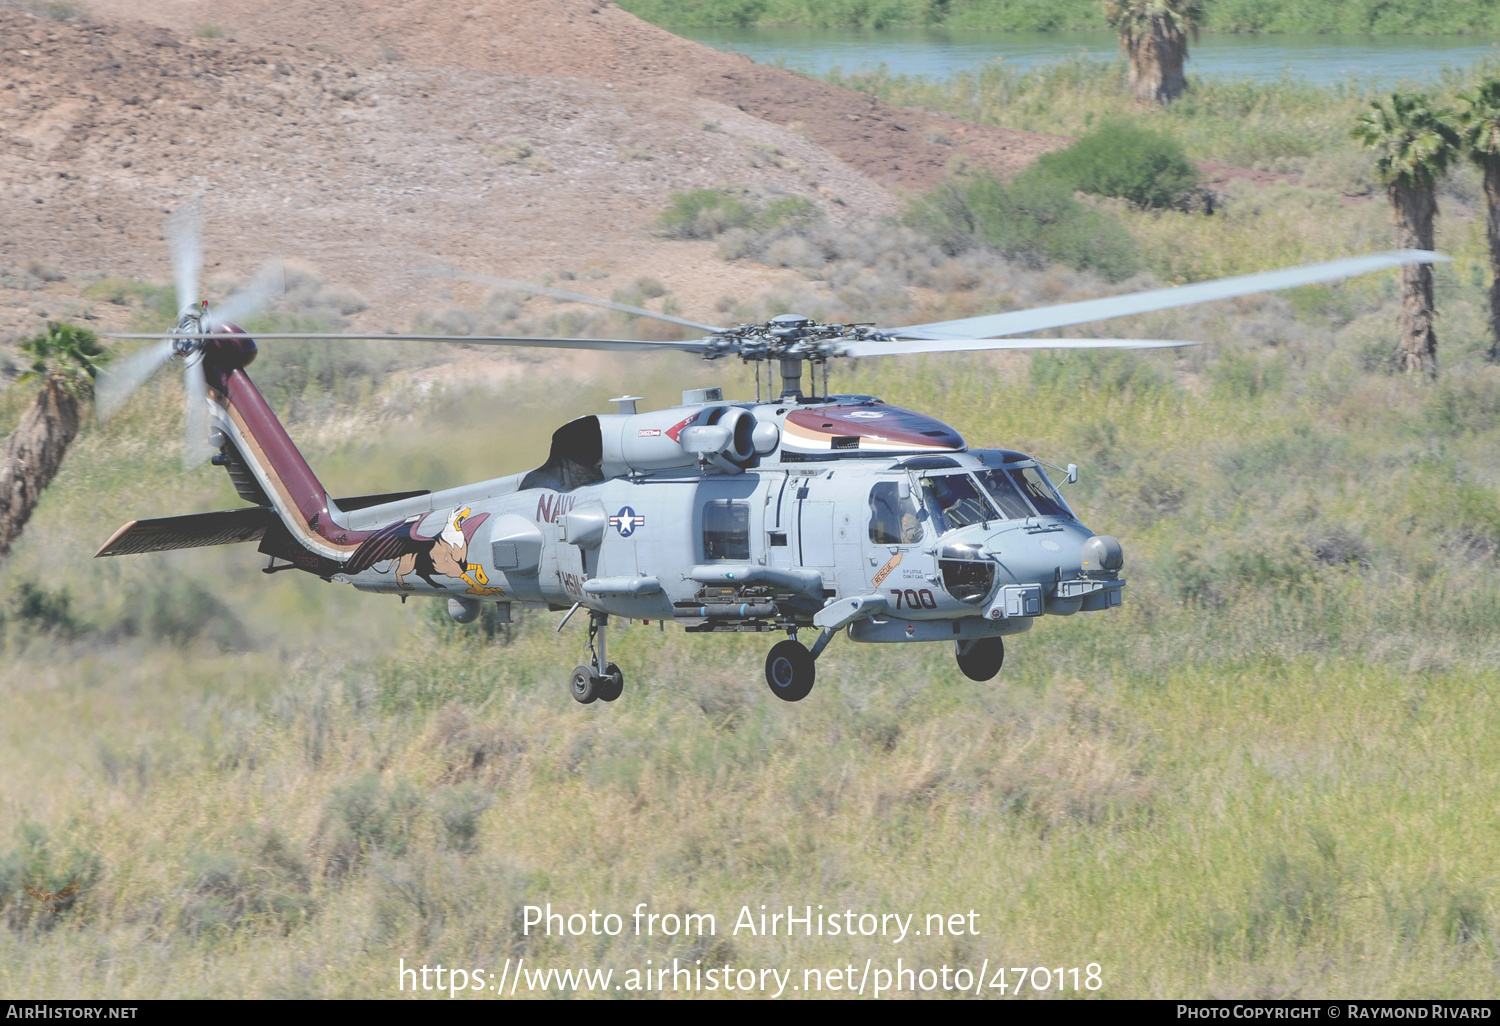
x=800 y=512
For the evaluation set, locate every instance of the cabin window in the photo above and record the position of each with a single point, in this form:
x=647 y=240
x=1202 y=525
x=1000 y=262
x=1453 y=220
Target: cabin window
x=893 y=520
x=726 y=530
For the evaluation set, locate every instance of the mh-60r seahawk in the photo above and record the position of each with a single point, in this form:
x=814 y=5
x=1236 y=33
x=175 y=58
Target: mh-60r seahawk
x=800 y=512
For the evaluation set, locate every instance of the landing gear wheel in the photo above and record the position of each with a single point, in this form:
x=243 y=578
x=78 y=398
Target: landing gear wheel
x=980 y=660
x=611 y=684
x=584 y=685
x=790 y=671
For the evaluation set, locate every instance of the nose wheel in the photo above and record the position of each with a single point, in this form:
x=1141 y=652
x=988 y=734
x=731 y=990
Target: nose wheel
x=596 y=681
x=790 y=671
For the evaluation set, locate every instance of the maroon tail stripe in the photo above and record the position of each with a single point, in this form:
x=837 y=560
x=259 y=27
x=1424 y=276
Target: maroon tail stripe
x=297 y=483
x=300 y=481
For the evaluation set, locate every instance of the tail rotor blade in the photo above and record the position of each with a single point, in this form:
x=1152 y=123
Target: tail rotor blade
x=185 y=238
x=266 y=287
x=195 y=445
x=122 y=377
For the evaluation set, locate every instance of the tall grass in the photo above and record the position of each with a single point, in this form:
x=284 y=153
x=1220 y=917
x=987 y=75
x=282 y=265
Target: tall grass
x=1272 y=125
x=1363 y=17
x=1269 y=771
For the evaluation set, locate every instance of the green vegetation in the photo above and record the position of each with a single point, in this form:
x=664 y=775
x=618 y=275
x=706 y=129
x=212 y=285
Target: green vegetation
x=1479 y=123
x=708 y=213
x=1154 y=37
x=1034 y=218
x=1126 y=161
x=1276 y=126
x=64 y=360
x=1365 y=17
x=1415 y=141
x=65 y=351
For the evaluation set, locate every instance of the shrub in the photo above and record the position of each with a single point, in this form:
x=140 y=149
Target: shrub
x=1464 y=403
x=363 y=817
x=709 y=213
x=459 y=809
x=703 y=214
x=1034 y=217
x=39 y=861
x=1294 y=897
x=1119 y=159
x=230 y=891
x=43 y=611
x=1242 y=376
x=1097 y=372
x=183 y=613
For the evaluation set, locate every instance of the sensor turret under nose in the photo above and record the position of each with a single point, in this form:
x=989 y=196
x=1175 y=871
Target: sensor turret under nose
x=1102 y=552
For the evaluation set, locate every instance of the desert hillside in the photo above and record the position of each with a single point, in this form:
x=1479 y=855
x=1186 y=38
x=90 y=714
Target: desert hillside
x=527 y=139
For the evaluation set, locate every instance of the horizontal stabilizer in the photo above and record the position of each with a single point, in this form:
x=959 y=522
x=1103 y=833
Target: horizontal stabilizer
x=355 y=502
x=191 y=531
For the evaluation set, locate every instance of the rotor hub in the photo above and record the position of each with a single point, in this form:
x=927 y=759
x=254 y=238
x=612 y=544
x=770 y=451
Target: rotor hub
x=190 y=323
x=790 y=337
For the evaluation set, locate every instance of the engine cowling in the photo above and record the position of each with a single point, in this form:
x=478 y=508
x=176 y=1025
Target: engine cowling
x=722 y=436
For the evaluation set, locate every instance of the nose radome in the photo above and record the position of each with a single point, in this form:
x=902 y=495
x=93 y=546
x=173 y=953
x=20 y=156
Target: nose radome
x=1103 y=552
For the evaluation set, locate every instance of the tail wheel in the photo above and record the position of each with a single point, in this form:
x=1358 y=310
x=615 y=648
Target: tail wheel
x=980 y=660
x=585 y=686
x=612 y=684
x=790 y=671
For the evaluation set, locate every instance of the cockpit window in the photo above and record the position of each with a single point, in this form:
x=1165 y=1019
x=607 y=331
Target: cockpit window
x=953 y=501
x=1039 y=490
x=893 y=520
x=1003 y=490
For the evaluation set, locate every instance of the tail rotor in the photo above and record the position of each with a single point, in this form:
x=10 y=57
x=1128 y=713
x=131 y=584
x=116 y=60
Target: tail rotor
x=197 y=424
x=185 y=240
x=122 y=377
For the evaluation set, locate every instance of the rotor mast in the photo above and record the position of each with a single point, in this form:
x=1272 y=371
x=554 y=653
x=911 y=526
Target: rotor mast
x=791 y=377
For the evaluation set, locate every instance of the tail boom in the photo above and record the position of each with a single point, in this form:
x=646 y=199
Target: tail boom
x=307 y=512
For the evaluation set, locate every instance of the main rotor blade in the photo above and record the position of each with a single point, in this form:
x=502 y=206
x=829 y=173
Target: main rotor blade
x=122 y=377
x=902 y=347
x=565 y=295
x=268 y=284
x=1018 y=321
x=196 y=423
x=185 y=240
x=617 y=345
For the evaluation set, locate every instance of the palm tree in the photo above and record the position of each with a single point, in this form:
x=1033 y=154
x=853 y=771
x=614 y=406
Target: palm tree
x=65 y=360
x=1479 y=122
x=1414 y=140
x=1154 y=35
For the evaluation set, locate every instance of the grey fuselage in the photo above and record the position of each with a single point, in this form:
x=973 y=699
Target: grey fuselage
x=764 y=542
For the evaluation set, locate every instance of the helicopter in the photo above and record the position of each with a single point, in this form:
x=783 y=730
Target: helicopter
x=824 y=513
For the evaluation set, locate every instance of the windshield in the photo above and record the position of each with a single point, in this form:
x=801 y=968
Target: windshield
x=953 y=502
x=1039 y=490
x=1003 y=490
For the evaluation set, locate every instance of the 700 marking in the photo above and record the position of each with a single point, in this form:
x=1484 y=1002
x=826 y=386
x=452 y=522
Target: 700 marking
x=914 y=599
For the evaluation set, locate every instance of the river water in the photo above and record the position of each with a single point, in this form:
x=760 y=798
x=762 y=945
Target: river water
x=1375 y=61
